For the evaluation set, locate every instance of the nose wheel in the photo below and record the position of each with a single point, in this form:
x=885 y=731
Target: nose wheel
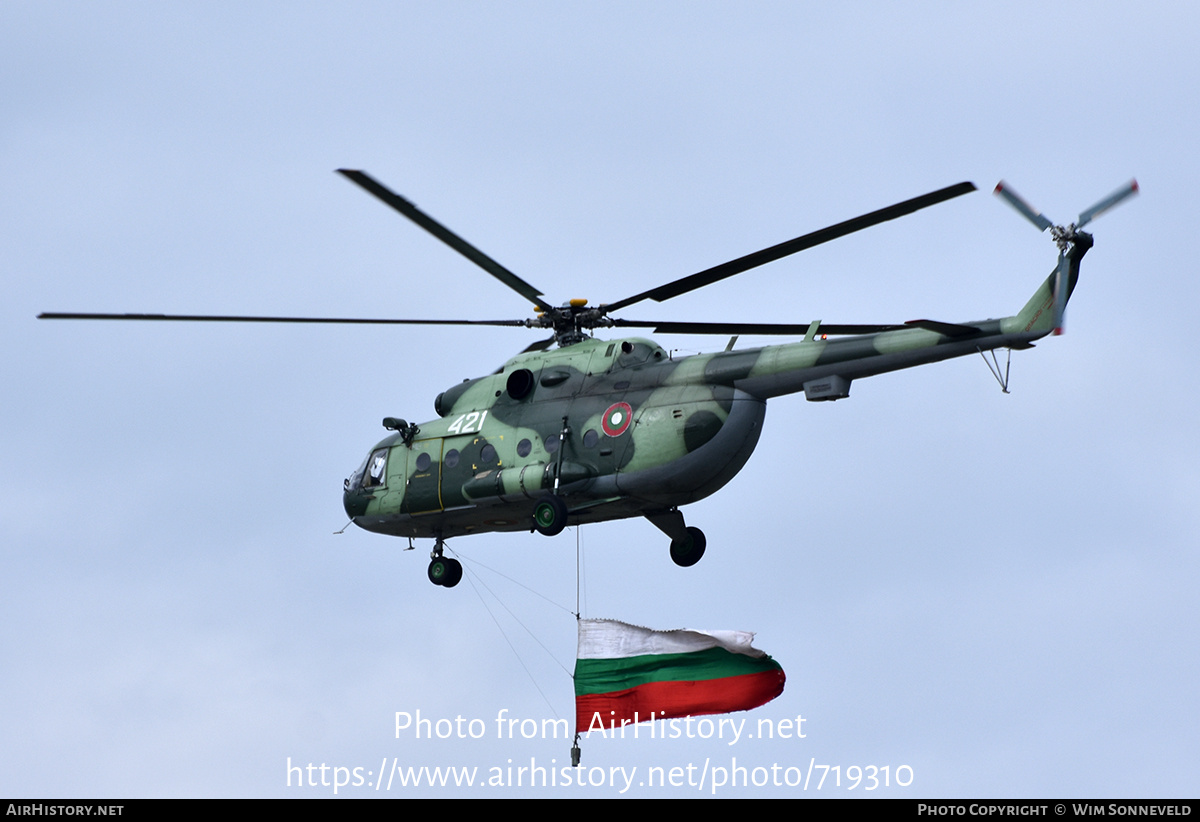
x=550 y=515
x=444 y=571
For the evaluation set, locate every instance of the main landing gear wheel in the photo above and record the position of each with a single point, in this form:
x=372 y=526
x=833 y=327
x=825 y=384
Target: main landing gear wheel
x=550 y=515
x=445 y=572
x=687 y=551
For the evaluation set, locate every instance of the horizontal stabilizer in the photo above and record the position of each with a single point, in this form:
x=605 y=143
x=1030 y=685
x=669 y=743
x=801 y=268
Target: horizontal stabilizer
x=946 y=329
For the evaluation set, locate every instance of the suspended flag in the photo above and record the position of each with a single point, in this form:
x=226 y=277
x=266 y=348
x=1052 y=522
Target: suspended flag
x=625 y=673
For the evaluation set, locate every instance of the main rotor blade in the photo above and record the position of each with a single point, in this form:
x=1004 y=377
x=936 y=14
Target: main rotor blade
x=776 y=252
x=444 y=234
x=221 y=318
x=753 y=328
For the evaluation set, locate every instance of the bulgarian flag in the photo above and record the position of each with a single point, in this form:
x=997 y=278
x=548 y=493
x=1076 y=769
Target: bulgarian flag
x=624 y=672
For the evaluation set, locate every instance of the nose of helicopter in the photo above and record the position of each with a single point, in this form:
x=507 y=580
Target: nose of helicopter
x=354 y=497
x=353 y=500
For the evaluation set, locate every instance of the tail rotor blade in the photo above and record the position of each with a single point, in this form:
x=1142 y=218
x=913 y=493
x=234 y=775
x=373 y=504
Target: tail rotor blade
x=1030 y=213
x=1061 y=278
x=1127 y=190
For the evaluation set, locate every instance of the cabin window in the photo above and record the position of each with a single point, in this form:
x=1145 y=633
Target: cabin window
x=524 y=447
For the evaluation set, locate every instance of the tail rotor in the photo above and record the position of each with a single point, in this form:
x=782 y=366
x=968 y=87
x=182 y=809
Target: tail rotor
x=1064 y=237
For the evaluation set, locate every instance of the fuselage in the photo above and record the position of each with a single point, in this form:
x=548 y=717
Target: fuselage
x=618 y=428
x=602 y=422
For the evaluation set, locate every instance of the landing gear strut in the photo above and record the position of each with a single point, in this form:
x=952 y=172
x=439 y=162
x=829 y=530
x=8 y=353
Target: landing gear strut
x=444 y=571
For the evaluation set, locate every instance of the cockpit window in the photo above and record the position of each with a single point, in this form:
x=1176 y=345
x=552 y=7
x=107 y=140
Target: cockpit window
x=376 y=469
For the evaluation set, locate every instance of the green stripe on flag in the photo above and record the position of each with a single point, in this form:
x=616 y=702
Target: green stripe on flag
x=601 y=676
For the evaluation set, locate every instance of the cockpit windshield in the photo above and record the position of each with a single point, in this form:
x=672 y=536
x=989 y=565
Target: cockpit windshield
x=373 y=471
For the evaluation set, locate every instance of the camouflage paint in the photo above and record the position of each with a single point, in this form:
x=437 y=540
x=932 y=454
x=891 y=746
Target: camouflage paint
x=495 y=448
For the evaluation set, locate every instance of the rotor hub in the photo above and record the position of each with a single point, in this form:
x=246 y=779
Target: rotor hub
x=571 y=321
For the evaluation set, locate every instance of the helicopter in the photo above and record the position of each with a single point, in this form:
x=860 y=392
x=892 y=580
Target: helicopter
x=576 y=429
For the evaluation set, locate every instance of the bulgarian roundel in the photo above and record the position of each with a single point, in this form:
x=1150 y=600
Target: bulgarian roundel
x=616 y=419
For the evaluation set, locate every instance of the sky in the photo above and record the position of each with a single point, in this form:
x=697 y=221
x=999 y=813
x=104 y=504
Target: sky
x=972 y=593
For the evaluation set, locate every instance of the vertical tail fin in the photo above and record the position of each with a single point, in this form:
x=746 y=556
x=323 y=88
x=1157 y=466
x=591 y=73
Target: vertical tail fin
x=1040 y=315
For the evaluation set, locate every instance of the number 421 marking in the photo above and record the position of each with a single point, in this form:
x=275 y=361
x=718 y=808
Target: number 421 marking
x=468 y=423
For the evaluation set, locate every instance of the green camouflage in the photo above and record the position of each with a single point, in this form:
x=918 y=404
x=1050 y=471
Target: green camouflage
x=598 y=430
x=644 y=432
